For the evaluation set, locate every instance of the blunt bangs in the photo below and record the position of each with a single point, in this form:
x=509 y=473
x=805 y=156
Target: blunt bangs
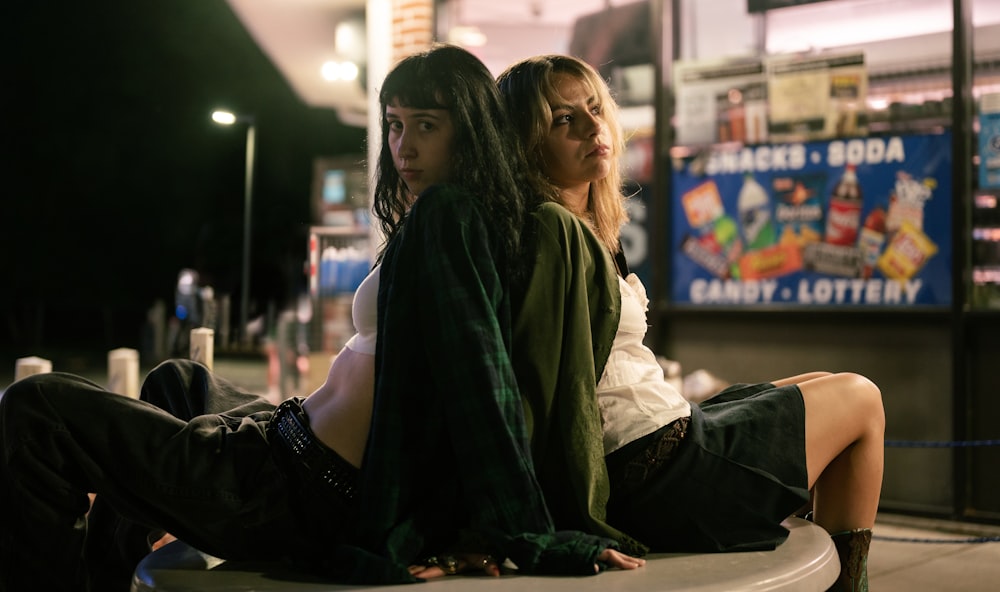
x=414 y=85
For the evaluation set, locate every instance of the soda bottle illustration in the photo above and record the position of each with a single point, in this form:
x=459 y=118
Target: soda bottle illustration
x=754 y=208
x=870 y=240
x=843 y=216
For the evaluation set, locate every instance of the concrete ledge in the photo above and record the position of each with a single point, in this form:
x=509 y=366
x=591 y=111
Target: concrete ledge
x=806 y=562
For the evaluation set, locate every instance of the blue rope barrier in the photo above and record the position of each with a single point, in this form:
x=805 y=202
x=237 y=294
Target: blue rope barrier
x=938 y=444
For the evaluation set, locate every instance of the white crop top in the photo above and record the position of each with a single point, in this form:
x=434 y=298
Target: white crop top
x=364 y=314
x=634 y=397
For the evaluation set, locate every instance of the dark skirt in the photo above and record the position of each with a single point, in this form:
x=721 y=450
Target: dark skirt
x=739 y=471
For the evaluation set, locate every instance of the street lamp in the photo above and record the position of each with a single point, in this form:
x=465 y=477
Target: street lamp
x=229 y=118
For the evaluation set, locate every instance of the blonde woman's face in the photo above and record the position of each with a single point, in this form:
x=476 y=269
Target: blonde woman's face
x=578 y=149
x=421 y=144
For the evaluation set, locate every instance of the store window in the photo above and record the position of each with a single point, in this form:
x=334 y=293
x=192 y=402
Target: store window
x=812 y=156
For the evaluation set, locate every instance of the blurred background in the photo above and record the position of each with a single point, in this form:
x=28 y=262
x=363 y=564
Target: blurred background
x=115 y=178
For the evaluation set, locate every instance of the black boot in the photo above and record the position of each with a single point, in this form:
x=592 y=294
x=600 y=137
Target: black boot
x=852 y=548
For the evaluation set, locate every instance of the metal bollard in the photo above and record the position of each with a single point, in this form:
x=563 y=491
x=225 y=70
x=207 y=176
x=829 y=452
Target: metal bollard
x=123 y=372
x=25 y=367
x=202 y=346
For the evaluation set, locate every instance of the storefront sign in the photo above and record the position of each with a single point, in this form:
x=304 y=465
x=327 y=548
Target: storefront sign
x=848 y=222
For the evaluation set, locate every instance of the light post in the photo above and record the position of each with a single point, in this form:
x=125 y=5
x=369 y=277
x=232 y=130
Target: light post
x=228 y=118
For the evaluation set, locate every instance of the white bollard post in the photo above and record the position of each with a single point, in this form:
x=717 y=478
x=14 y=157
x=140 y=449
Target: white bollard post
x=202 y=346
x=123 y=372
x=25 y=367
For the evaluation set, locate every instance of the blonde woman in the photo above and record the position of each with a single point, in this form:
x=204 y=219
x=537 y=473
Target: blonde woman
x=618 y=450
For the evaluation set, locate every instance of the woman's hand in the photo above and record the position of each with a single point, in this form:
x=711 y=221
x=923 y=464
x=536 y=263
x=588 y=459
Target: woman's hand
x=620 y=560
x=476 y=563
x=449 y=565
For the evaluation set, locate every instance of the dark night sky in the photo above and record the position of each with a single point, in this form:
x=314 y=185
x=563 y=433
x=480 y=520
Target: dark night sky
x=115 y=178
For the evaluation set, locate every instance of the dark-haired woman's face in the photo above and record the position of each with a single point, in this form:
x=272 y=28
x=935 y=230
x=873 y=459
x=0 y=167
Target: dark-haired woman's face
x=421 y=144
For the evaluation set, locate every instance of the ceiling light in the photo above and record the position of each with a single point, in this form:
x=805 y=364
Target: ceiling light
x=467 y=36
x=334 y=71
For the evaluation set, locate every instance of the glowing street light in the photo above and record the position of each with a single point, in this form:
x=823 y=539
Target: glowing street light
x=224 y=117
x=229 y=118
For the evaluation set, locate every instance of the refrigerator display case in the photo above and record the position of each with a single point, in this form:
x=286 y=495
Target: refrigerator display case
x=985 y=213
x=339 y=259
x=339 y=249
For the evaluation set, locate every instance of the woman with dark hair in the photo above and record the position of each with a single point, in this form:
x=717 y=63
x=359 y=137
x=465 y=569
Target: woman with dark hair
x=414 y=446
x=481 y=139
x=618 y=451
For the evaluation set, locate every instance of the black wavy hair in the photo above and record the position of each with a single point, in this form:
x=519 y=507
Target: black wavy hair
x=487 y=159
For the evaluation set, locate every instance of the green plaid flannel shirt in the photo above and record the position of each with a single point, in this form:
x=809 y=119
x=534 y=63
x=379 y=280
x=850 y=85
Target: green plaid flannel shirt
x=448 y=464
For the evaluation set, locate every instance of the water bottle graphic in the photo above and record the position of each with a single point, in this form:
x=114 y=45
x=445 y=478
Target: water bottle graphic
x=754 y=207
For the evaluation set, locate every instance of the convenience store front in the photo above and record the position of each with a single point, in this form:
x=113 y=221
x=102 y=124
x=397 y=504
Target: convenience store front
x=855 y=235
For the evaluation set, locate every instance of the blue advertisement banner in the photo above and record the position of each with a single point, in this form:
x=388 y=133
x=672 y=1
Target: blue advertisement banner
x=858 y=222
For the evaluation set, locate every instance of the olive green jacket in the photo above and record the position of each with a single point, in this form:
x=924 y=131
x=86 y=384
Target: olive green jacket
x=565 y=319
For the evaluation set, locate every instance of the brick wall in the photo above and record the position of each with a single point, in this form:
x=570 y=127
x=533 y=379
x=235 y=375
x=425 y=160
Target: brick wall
x=412 y=27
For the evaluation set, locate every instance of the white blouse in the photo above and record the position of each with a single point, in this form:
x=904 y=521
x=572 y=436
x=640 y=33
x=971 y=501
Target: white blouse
x=364 y=314
x=634 y=397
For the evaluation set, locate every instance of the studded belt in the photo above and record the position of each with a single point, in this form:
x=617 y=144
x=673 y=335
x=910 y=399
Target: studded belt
x=312 y=462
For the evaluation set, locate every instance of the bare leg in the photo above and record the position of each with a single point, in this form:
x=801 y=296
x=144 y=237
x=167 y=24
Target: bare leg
x=806 y=509
x=800 y=378
x=845 y=440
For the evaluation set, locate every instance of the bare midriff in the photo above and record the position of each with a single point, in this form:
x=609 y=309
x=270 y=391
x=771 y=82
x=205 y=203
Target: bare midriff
x=340 y=410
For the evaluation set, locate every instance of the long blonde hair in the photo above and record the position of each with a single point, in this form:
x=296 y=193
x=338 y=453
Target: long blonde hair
x=528 y=89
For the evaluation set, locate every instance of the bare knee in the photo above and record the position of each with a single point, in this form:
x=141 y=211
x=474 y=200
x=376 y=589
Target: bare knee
x=866 y=399
x=847 y=404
